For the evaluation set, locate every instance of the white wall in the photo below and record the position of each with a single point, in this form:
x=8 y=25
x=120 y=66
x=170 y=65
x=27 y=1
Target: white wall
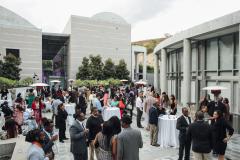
x=89 y=36
x=29 y=42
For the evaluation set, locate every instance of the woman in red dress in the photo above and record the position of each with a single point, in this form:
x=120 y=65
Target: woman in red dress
x=37 y=107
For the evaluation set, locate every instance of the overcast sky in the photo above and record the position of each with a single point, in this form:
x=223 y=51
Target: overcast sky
x=149 y=18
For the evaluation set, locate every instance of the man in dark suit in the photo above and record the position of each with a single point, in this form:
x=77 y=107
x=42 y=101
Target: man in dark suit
x=153 y=124
x=49 y=138
x=182 y=125
x=78 y=135
x=82 y=102
x=200 y=134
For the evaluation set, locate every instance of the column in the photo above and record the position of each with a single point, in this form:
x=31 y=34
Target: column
x=236 y=117
x=156 y=69
x=145 y=65
x=163 y=71
x=133 y=64
x=239 y=72
x=186 y=97
x=136 y=67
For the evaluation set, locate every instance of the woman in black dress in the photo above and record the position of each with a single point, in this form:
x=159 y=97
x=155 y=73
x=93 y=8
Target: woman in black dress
x=61 y=118
x=173 y=105
x=220 y=137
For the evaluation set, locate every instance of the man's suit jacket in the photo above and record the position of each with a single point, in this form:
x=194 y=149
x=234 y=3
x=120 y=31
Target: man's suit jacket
x=78 y=139
x=182 y=126
x=129 y=142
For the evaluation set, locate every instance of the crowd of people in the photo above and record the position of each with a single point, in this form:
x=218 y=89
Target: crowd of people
x=115 y=139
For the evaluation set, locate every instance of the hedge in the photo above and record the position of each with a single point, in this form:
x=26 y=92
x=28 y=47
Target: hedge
x=91 y=83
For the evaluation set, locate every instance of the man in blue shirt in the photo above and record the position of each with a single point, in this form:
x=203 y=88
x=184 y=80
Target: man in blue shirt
x=153 y=124
x=98 y=103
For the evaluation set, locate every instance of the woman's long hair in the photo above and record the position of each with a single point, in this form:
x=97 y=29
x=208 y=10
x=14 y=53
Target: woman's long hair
x=115 y=124
x=108 y=132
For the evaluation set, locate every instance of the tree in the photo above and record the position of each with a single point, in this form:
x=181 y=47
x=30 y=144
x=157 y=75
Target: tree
x=121 y=70
x=1 y=68
x=96 y=67
x=84 y=70
x=10 y=67
x=109 y=69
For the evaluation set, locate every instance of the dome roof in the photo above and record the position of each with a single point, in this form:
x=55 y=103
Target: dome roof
x=109 y=17
x=12 y=19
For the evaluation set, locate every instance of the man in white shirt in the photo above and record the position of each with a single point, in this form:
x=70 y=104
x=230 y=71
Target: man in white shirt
x=139 y=106
x=56 y=102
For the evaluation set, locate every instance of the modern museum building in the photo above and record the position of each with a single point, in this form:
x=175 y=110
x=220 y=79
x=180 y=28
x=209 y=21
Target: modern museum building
x=205 y=55
x=58 y=55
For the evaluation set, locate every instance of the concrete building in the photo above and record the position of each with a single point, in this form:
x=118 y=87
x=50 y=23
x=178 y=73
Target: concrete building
x=136 y=50
x=24 y=40
x=205 y=55
x=106 y=34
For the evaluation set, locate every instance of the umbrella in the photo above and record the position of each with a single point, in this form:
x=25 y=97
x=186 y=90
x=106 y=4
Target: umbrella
x=39 y=85
x=214 y=88
x=55 y=81
x=124 y=80
x=141 y=82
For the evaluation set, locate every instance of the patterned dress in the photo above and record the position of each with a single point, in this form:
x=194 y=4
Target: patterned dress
x=104 y=152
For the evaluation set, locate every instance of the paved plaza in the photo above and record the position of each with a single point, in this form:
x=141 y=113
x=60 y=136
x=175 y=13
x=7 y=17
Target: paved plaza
x=148 y=152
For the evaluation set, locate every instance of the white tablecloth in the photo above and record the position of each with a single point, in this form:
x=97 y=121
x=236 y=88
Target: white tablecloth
x=168 y=134
x=111 y=111
x=70 y=108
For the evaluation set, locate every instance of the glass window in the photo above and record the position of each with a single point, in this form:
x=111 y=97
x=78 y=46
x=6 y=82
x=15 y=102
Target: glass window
x=235 y=108
x=174 y=62
x=169 y=87
x=194 y=62
x=193 y=94
x=180 y=60
x=236 y=56
x=212 y=55
x=169 y=63
x=14 y=52
x=226 y=52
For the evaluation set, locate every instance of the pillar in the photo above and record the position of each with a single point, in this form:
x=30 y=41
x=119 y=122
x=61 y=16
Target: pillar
x=144 y=65
x=133 y=64
x=163 y=71
x=136 y=67
x=156 y=73
x=186 y=98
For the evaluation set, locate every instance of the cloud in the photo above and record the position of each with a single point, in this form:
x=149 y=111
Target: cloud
x=140 y=10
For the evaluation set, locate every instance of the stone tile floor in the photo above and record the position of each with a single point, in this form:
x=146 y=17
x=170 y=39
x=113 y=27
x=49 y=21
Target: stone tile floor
x=148 y=152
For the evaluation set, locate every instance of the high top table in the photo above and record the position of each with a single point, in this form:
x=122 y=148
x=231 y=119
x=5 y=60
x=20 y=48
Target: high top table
x=70 y=108
x=108 y=112
x=167 y=133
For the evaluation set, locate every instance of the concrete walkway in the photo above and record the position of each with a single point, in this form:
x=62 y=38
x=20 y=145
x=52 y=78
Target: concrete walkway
x=148 y=152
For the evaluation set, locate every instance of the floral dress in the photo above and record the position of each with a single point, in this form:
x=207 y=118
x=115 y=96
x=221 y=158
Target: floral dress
x=104 y=152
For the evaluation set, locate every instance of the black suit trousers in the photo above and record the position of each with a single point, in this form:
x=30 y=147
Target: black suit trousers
x=184 y=145
x=139 y=116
